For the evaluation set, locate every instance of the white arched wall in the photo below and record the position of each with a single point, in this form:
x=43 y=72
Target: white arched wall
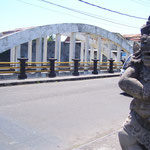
x=73 y=30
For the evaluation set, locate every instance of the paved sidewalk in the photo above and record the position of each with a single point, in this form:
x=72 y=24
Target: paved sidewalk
x=56 y=79
x=108 y=142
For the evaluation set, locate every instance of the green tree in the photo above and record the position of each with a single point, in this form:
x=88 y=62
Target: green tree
x=51 y=38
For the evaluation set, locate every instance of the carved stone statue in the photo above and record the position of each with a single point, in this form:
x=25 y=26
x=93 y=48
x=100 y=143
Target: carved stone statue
x=135 y=134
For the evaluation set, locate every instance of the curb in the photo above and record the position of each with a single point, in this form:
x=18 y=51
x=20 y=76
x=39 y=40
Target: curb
x=107 y=142
x=56 y=79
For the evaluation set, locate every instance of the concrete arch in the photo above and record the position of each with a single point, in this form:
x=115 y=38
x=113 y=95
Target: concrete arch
x=15 y=39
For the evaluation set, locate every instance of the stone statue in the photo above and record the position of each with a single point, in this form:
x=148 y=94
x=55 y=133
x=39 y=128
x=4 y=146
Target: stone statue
x=135 y=134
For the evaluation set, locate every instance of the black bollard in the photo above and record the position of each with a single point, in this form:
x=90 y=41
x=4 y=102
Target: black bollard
x=22 y=74
x=76 y=67
x=52 y=68
x=95 y=66
x=111 y=64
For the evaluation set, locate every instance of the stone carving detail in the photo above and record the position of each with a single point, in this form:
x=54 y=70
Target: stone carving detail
x=135 y=134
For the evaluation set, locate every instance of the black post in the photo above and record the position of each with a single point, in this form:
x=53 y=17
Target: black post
x=95 y=66
x=76 y=65
x=111 y=65
x=22 y=74
x=52 y=67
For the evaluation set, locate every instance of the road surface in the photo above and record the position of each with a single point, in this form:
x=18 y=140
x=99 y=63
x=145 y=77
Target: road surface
x=60 y=115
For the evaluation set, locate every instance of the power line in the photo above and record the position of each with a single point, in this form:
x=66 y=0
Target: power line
x=92 y=15
x=117 y=12
x=84 y=13
x=141 y=3
x=87 y=14
x=47 y=9
x=43 y=7
x=147 y=0
x=144 y=2
x=34 y=5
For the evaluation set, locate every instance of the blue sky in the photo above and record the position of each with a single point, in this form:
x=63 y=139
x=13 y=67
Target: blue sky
x=27 y=13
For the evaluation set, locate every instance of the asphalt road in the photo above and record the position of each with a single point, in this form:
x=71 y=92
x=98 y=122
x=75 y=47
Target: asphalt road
x=60 y=115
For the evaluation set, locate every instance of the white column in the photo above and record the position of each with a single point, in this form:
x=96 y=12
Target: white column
x=87 y=36
x=59 y=54
x=99 y=49
x=12 y=54
x=118 y=53
x=45 y=49
x=82 y=52
x=109 y=50
x=38 y=52
x=58 y=47
x=72 y=46
x=18 y=52
x=30 y=51
x=91 y=54
x=101 y=58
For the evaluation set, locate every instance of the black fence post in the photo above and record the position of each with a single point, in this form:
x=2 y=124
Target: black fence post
x=111 y=64
x=95 y=66
x=76 y=67
x=22 y=74
x=52 y=67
